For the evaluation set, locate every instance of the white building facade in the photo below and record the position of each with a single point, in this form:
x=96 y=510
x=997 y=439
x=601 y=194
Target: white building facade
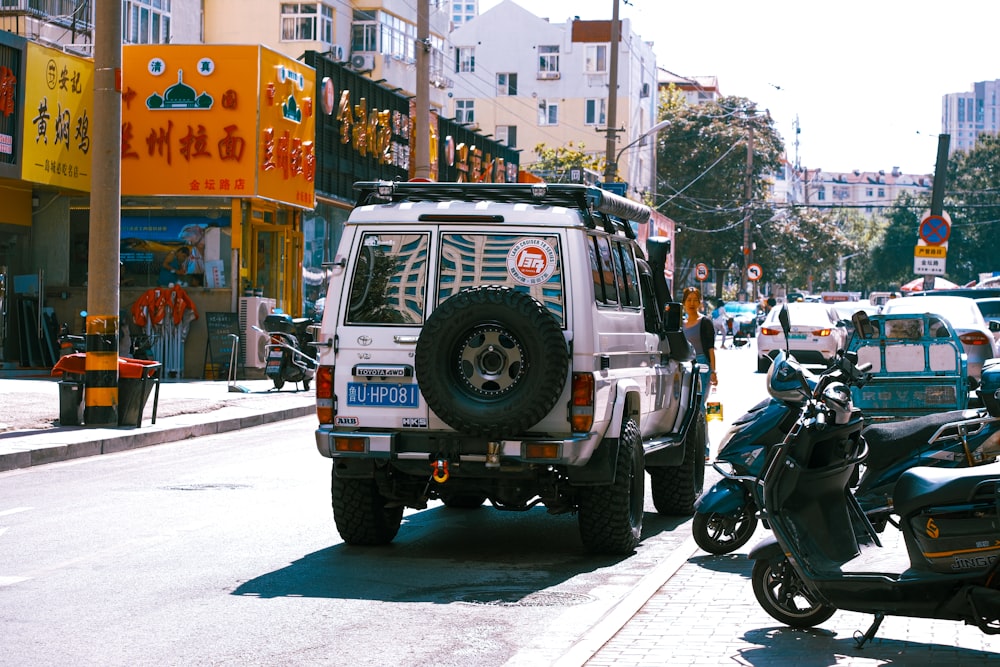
x=528 y=81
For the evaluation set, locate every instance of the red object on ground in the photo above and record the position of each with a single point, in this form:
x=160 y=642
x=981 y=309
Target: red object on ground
x=127 y=368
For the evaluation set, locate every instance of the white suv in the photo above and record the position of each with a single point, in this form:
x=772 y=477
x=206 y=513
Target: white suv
x=509 y=343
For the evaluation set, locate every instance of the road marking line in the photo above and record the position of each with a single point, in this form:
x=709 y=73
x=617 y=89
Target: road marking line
x=10 y=581
x=15 y=510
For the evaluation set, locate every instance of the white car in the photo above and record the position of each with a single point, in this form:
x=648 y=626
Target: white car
x=817 y=332
x=964 y=316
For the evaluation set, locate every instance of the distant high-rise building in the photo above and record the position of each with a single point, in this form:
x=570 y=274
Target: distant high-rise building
x=966 y=116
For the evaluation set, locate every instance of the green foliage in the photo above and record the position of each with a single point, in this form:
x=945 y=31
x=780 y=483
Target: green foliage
x=554 y=164
x=702 y=165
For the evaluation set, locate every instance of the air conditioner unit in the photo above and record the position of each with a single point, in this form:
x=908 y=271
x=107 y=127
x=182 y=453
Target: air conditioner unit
x=253 y=310
x=363 y=62
x=336 y=53
x=548 y=75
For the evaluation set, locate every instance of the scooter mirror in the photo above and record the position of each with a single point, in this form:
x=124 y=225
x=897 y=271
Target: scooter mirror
x=786 y=324
x=862 y=324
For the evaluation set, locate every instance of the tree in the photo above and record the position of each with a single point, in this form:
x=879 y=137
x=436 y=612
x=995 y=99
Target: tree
x=554 y=164
x=702 y=171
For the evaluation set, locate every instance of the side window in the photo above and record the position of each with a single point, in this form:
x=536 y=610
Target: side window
x=389 y=284
x=629 y=277
x=605 y=285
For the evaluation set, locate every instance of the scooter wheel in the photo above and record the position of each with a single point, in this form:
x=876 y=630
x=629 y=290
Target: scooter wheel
x=780 y=592
x=278 y=382
x=721 y=534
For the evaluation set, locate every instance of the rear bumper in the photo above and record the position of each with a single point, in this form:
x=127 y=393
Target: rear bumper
x=405 y=446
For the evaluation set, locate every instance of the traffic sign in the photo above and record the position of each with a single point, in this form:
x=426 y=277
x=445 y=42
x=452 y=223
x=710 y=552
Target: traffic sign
x=930 y=251
x=701 y=272
x=754 y=272
x=934 y=230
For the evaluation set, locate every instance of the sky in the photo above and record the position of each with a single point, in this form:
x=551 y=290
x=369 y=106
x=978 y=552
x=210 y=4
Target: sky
x=865 y=78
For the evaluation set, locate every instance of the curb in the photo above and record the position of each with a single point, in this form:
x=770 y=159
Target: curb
x=110 y=440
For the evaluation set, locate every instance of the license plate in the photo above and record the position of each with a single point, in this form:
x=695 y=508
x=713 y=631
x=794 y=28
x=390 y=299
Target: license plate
x=379 y=394
x=796 y=336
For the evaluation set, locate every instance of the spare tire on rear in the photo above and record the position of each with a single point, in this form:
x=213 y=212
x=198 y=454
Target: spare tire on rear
x=491 y=361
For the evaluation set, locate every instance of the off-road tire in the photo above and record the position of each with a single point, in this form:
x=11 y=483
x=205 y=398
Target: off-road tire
x=491 y=361
x=675 y=488
x=360 y=512
x=610 y=517
x=780 y=593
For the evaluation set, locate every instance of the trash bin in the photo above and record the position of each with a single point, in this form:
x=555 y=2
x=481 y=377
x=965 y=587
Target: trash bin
x=136 y=380
x=71 y=400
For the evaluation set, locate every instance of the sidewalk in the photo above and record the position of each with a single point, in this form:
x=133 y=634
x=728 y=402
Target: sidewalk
x=30 y=432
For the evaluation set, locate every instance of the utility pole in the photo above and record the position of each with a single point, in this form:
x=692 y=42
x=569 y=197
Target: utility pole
x=103 y=275
x=611 y=132
x=747 y=245
x=422 y=120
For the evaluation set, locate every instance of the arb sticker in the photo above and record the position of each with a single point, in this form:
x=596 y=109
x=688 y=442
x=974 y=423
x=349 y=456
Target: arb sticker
x=531 y=261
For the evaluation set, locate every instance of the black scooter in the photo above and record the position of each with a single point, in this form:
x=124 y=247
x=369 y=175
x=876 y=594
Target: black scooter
x=825 y=554
x=285 y=353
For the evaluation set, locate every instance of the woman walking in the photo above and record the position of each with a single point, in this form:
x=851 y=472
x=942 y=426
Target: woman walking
x=700 y=332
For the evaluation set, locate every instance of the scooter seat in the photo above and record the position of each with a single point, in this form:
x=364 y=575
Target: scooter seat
x=927 y=486
x=891 y=441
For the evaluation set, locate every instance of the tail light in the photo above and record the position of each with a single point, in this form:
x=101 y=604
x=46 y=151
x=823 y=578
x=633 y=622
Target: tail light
x=768 y=331
x=975 y=338
x=324 y=394
x=822 y=332
x=582 y=404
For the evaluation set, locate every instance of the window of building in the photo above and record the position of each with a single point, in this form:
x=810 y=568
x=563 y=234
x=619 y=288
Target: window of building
x=595 y=111
x=381 y=32
x=465 y=111
x=465 y=59
x=507 y=135
x=881 y=192
x=548 y=59
x=143 y=21
x=507 y=83
x=595 y=58
x=548 y=114
x=869 y=192
x=821 y=194
x=306 y=22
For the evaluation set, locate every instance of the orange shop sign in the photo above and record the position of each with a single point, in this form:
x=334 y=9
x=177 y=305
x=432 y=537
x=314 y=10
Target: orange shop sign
x=190 y=123
x=59 y=102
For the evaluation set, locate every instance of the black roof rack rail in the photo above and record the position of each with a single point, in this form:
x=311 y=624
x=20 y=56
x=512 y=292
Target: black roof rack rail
x=583 y=197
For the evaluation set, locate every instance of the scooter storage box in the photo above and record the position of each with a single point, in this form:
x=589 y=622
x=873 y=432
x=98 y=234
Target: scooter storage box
x=280 y=322
x=958 y=538
x=989 y=384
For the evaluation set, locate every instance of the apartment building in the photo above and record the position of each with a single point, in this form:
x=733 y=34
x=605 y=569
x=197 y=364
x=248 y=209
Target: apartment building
x=870 y=192
x=527 y=81
x=377 y=38
x=967 y=115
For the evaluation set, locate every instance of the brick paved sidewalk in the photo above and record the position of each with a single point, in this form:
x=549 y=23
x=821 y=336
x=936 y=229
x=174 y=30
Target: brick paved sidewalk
x=706 y=614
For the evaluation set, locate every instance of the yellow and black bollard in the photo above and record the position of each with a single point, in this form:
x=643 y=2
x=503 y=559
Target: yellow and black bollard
x=101 y=371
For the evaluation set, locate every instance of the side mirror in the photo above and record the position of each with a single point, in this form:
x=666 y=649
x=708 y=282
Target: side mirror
x=672 y=314
x=994 y=325
x=786 y=324
x=862 y=324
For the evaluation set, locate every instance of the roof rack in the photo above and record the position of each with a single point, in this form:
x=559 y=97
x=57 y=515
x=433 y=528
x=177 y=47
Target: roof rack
x=583 y=197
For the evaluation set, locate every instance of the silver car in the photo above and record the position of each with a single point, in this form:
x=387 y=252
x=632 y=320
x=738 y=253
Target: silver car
x=964 y=316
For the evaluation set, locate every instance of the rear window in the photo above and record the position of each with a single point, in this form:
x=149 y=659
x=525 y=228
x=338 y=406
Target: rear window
x=526 y=263
x=390 y=279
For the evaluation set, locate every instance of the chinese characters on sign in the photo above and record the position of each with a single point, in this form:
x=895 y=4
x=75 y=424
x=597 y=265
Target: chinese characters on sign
x=190 y=123
x=58 y=102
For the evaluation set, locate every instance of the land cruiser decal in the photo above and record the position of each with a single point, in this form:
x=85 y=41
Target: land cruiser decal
x=531 y=261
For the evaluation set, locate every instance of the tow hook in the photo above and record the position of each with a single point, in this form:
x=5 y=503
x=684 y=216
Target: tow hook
x=439 y=471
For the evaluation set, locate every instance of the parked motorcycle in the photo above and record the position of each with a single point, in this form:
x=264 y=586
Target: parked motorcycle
x=285 y=353
x=726 y=515
x=824 y=554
